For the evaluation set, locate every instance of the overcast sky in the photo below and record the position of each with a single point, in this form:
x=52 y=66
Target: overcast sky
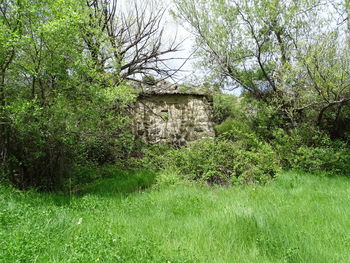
x=172 y=29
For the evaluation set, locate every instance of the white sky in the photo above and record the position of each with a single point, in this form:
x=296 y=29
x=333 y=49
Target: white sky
x=172 y=29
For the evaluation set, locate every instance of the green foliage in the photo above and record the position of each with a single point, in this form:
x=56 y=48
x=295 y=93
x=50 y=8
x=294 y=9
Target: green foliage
x=114 y=220
x=235 y=129
x=112 y=181
x=225 y=106
x=304 y=147
x=333 y=159
x=64 y=105
x=290 y=57
x=84 y=174
x=248 y=42
x=311 y=150
x=39 y=152
x=45 y=142
x=222 y=162
x=57 y=110
x=167 y=178
x=149 y=79
x=151 y=156
x=248 y=116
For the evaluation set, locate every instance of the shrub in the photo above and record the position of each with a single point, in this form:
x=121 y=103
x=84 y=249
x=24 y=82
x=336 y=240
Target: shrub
x=153 y=156
x=223 y=161
x=44 y=143
x=225 y=106
x=331 y=159
x=167 y=178
x=38 y=146
x=258 y=165
x=301 y=146
x=311 y=150
x=238 y=130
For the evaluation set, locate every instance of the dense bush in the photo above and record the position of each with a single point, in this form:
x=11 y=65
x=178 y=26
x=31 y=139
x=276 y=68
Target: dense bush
x=305 y=146
x=254 y=142
x=223 y=161
x=63 y=98
x=331 y=160
x=57 y=118
x=44 y=144
x=225 y=106
x=39 y=149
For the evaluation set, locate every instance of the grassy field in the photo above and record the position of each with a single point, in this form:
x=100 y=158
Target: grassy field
x=296 y=218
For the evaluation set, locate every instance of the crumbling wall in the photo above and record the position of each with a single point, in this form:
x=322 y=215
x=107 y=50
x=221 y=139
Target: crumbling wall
x=173 y=118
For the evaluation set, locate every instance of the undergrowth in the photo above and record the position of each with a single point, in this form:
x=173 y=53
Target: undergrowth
x=137 y=217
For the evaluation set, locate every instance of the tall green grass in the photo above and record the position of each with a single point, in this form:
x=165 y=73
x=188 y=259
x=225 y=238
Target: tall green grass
x=296 y=218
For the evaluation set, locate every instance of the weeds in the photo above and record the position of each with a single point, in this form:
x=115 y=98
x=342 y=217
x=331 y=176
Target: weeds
x=295 y=218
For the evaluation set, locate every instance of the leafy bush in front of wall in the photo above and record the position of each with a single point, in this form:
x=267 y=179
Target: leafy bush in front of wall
x=223 y=161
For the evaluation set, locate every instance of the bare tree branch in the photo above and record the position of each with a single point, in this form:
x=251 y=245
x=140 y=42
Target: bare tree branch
x=131 y=42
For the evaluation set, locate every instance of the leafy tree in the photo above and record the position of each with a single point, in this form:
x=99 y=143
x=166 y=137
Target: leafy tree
x=289 y=54
x=62 y=91
x=248 y=41
x=323 y=83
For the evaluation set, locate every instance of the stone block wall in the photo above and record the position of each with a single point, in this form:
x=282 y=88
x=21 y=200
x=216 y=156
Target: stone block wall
x=173 y=118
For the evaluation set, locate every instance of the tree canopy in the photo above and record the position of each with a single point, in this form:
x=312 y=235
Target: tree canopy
x=292 y=51
x=63 y=96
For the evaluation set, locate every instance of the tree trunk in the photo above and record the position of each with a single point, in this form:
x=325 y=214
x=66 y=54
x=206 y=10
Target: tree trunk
x=3 y=120
x=347 y=9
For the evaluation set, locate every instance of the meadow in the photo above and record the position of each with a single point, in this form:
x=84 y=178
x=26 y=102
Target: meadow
x=141 y=217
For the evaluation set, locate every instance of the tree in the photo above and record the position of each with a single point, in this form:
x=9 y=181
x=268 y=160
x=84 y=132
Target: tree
x=11 y=28
x=128 y=43
x=323 y=82
x=62 y=93
x=289 y=54
x=250 y=42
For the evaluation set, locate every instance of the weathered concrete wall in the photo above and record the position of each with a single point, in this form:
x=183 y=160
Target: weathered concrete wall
x=175 y=118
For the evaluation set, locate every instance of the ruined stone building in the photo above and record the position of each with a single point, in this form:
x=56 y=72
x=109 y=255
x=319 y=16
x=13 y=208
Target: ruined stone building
x=170 y=113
